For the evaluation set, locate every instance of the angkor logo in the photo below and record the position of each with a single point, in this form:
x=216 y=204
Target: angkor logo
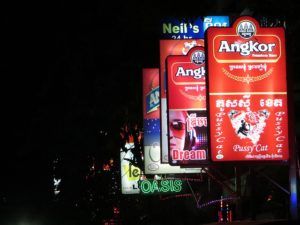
x=246 y=29
x=198 y=57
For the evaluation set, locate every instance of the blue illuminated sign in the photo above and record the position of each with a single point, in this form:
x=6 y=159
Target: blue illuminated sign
x=172 y=28
x=215 y=21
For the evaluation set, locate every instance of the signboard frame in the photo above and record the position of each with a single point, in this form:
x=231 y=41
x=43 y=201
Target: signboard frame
x=247 y=89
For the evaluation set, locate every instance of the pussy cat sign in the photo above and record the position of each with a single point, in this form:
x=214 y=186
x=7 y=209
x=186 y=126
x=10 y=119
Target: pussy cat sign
x=248 y=113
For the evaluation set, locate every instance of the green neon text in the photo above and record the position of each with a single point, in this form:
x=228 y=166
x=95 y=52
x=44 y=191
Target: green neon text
x=160 y=186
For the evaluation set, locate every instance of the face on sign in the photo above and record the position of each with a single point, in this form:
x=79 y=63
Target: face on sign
x=177 y=129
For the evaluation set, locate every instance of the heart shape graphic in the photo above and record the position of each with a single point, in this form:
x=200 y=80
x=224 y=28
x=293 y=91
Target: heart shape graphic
x=248 y=124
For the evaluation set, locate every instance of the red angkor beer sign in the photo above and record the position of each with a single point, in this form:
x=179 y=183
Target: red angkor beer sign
x=187 y=116
x=247 y=92
x=168 y=48
x=186 y=80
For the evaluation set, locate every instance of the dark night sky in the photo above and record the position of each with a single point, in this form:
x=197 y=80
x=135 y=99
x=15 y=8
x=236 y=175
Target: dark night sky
x=74 y=64
x=72 y=69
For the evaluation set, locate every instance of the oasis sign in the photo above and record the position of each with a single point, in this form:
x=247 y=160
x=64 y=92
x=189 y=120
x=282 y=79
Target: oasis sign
x=151 y=186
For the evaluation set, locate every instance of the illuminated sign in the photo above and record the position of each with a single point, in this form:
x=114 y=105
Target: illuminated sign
x=186 y=80
x=247 y=92
x=130 y=174
x=172 y=28
x=187 y=120
x=170 y=47
x=179 y=47
x=215 y=21
x=151 y=115
x=152 y=100
x=160 y=186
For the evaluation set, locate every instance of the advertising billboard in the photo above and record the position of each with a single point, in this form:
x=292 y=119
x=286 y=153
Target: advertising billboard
x=170 y=47
x=130 y=174
x=152 y=135
x=172 y=28
x=215 y=21
x=187 y=115
x=190 y=28
x=165 y=186
x=185 y=34
x=247 y=92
